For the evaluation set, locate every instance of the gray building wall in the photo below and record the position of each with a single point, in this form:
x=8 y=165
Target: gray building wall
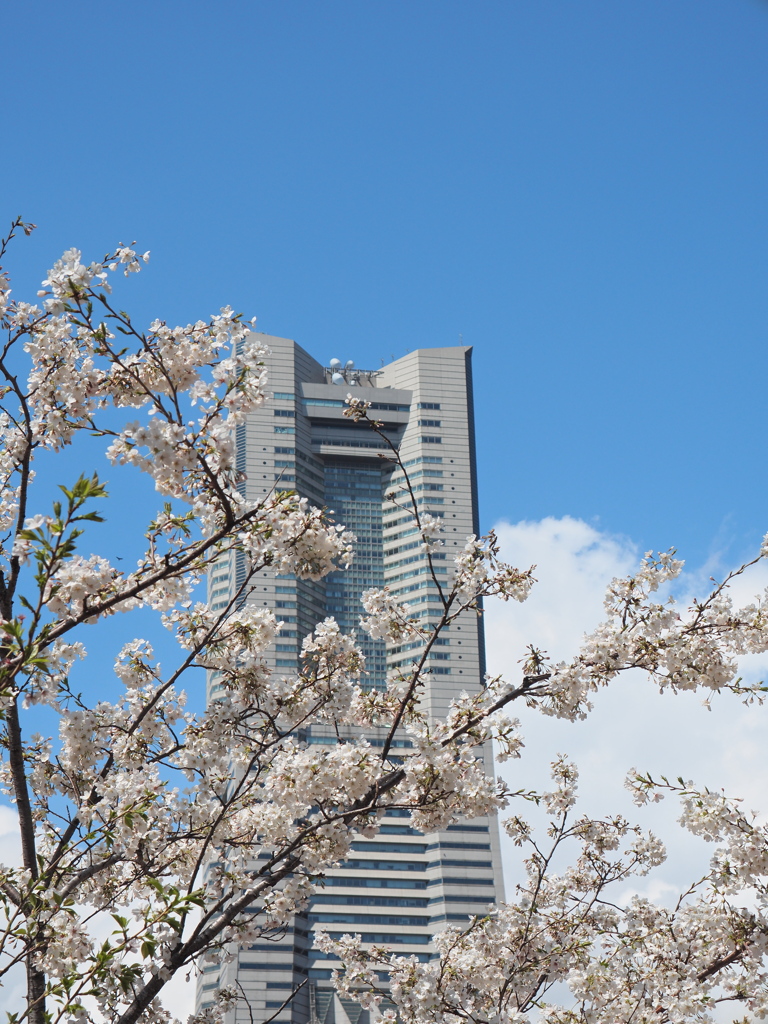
x=401 y=887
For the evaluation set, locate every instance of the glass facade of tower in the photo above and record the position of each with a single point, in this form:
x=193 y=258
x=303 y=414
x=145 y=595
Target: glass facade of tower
x=353 y=493
x=399 y=887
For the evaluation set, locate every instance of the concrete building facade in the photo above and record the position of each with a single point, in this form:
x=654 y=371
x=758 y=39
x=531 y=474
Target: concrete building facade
x=400 y=888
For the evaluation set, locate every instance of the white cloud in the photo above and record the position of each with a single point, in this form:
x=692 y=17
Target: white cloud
x=178 y=995
x=574 y=561
x=13 y=984
x=10 y=845
x=632 y=725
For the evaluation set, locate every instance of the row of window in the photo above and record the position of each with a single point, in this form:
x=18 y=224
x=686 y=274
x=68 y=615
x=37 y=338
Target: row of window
x=350 y=443
x=337 y=403
x=407 y=520
x=459 y=881
x=380 y=938
x=377 y=883
x=397 y=920
x=250 y=965
x=386 y=865
x=397 y=479
x=418 y=865
x=391 y=512
x=417 y=586
x=392 y=920
x=443 y=845
x=434 y=459
x=346 y=900
x=333 y=740
x=438 y=571
x=451 y=863
x=438 y=641
x=434 y=598
x=410 y=559
x=403 y=533
x=467 y=828
x=351 y=882
x=395 y=813
x=414 y=660
x=419 y=487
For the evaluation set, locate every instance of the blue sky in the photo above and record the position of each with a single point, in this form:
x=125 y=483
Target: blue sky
x=575 y=189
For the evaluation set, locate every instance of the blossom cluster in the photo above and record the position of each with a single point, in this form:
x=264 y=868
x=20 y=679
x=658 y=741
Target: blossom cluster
x=565 y=949
x=679 y=649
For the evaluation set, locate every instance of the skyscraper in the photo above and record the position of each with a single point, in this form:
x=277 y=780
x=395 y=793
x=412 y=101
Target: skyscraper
x=401 y=887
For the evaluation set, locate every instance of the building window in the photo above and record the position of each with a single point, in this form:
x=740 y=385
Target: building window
x=386 y=865
x=398 y=939
x=425 y=440
x=376 y=883
x=393 y=920
x=411 y=902
x=459 y=846
x=429 y=423
x=284 y=412
x=461 y=863
x=428 y=405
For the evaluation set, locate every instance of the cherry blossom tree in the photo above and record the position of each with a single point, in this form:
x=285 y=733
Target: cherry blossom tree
x=138 y=818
